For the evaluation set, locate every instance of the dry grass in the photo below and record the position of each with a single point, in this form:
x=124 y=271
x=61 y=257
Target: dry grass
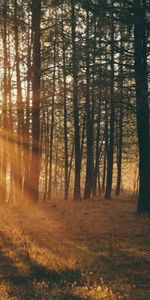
x=89 y=250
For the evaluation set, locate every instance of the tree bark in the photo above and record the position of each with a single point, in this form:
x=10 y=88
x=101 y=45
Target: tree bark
x=141 y=78
x=121 y=115
x=52 y=124
x=3 y=186
x=65 y=115
x=109 y=179
x=36 y=74
x=89 y=121
x=77 y=194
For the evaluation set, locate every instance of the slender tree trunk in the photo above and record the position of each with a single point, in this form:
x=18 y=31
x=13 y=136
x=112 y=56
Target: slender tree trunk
x=70 y=165
x=10 y=127
x=109 y=180
x=4 y=111
x=89 y=122
x=27 y=148
x=56 y=172
x=77 y=195
x=96 y=169
x=36 y=70
x=45 y=141
x=65 y=116
x=141 y=78
x=105 y=146
x=20 y=106
x=52 y=124
x=121 y=115
x=119 y=150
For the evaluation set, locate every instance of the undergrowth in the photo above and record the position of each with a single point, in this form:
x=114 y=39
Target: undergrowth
x=80 y=251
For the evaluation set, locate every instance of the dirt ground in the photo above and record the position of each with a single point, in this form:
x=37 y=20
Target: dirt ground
x=67 y=250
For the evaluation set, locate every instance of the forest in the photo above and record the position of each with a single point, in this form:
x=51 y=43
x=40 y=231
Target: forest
x=74 y=148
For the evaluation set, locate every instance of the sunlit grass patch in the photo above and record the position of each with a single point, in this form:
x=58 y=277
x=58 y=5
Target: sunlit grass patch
x=92 y=255
x=4 y=287
x=97 y=293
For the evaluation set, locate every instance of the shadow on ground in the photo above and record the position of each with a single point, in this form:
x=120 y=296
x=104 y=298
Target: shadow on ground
x=27 y=287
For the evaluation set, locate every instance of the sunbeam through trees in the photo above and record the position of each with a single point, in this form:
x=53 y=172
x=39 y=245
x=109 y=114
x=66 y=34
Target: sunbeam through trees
x=74 y=149
x=74 y=100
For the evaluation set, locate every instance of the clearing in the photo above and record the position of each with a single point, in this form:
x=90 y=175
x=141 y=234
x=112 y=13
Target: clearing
x=88 y=250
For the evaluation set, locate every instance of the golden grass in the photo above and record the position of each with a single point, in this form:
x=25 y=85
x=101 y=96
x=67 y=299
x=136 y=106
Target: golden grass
x=89 y=250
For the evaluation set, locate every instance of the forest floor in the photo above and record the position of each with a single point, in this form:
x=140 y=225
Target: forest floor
x=88 y=250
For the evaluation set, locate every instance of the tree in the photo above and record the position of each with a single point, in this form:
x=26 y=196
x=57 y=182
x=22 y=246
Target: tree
x=36 y=75
x=65 y=114
x=141 y=79
x=110 y=153
x=4 y=108
x=77 y=194
x=89 y=119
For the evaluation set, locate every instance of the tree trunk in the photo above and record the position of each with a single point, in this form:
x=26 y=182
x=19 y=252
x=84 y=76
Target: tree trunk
x=77 y=195
x=109 y=180
x=20 y=107
x=65 y=115
x=3 y=186
x=35 y=161
x=141 y=78
x=52 y=124
x=89 y=122
x=120 y=129
x=27 y=148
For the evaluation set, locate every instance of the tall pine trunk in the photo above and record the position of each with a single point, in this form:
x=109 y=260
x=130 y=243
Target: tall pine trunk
x=27 y=149
x=141 y=78
x=36 y=68
x=120 y=125
x=89 y=121
x=52 y=124
x=20 y=108
x=110 y=157
x=65 y=116
x=4 y=134
x=77 y=194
